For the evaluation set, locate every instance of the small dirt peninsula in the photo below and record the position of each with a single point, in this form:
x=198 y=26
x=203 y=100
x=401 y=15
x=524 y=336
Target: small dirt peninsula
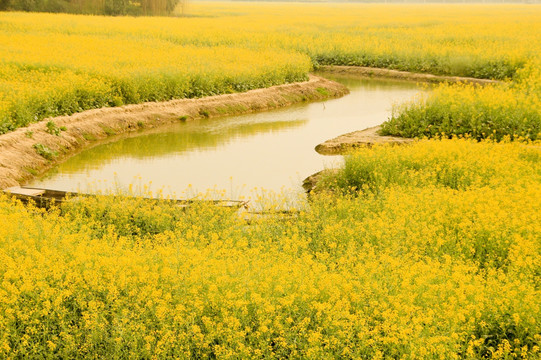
x=367 y=137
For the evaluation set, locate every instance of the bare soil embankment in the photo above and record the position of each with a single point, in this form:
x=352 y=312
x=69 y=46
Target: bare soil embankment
x=29 y=151
x=367 y=137
x=402 y=75
x=342 y=144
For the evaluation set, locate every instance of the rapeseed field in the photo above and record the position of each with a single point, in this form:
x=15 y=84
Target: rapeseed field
x=55 y=64
x=510 y=110
x=436 y=257
x=427 y=251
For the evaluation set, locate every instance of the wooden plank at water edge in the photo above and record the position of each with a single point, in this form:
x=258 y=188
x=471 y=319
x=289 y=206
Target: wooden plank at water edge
x=40 y=197
x=16 y=190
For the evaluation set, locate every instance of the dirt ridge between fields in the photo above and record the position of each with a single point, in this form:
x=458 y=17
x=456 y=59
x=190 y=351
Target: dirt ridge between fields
x=402 y=75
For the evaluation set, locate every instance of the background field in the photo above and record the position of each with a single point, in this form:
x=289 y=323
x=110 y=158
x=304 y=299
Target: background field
x=60 y=64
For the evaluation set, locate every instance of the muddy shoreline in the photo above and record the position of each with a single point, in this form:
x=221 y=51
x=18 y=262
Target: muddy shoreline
x=30 y=151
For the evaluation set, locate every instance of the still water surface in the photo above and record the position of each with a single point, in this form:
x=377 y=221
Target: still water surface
x=239 y=157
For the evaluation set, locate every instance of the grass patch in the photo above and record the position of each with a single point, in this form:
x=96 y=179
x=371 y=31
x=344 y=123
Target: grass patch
x=108 y=131
x=89 y=137
x=204 y=113
x=45 y=152
x=31 y=171
x=322 y=91
x=53 y=129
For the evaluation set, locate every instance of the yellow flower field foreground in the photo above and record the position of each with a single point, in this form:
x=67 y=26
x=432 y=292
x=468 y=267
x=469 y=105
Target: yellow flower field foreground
x=60 y=64
x=423 y=268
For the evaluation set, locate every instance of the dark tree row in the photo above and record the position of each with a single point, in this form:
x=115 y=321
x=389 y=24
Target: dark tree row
x=96 y=7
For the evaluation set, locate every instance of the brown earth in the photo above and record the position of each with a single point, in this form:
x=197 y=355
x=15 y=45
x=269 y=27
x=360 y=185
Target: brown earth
x=20 y=160
x=403 y=75
x=342 y=144
x=367 y=137
x=311 y=184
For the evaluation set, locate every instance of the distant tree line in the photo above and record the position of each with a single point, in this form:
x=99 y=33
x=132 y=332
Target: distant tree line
x=95 y=7
x=166 y=7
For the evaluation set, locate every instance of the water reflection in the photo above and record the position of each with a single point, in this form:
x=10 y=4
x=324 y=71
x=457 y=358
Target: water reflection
x=173 y=140
x=272 y=150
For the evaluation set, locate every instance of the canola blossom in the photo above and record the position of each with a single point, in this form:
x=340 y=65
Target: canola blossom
x=426 y=267
x=496 y=111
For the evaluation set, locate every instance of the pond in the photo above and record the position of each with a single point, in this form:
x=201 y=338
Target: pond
x=239 y=157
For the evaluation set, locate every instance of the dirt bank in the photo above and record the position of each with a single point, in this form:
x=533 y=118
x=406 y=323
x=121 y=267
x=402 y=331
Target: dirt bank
x=366 y=137
x=29 y=151
x=340 y=145
x=403 y=75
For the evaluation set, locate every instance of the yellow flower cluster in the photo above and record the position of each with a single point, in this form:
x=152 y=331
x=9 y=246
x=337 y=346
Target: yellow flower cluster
x=458 y=164
x=419 y=269
x=57 y=64
x=497 y=111
x=474 y=40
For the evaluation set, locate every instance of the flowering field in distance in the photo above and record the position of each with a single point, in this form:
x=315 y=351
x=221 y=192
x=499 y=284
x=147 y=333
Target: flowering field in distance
x=59 y=64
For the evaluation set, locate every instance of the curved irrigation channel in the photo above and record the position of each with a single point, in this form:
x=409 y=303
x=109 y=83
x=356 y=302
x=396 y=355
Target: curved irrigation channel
x=240 y=157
